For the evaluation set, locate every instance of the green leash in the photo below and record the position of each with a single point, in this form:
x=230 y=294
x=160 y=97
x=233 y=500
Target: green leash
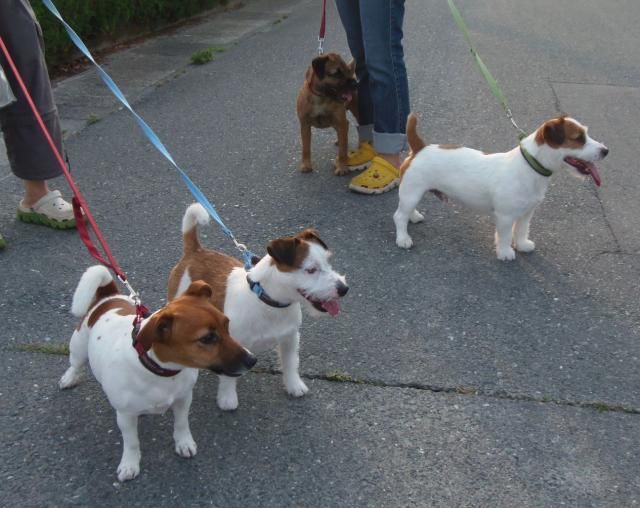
x=493 y=83
x=496 y=91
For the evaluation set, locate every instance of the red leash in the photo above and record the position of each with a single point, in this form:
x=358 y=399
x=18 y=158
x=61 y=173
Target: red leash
x=79 y=203
x=323 y=27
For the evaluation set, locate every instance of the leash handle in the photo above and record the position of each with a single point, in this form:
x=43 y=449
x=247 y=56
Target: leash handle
x=491 y=81
x=79 y=203
x=323 y=28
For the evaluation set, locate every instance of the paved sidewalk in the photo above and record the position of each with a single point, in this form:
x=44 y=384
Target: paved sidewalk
x=449 y=379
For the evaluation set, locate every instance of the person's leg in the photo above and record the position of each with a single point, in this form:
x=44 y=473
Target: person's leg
x=29 y=154
x=349 y=12
x=382 y=34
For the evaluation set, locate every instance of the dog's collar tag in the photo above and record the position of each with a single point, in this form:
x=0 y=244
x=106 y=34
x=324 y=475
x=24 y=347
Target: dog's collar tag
x=535 y=165
x=257 y=288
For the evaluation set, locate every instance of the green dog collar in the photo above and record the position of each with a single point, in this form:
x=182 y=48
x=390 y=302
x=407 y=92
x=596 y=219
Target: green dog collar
x=535 y=165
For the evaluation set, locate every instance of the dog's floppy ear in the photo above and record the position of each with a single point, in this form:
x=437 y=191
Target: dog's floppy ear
x=318 y=64
x=311 y=235
x=554 y=133
x=158 y=328
x=200 y=289
x=283 y=250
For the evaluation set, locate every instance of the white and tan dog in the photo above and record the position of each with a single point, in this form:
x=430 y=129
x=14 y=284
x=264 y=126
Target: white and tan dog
x=174 y=342
x=510 y=185
x=264 y=304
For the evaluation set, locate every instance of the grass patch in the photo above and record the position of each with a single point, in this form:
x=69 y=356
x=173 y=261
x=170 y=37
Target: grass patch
x=91 y=119
x=205 y=55
x=45 y=348
x=340 y=377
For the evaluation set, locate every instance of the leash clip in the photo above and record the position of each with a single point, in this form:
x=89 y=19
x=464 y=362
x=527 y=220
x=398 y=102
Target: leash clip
x=133 y=294
x=320 y=46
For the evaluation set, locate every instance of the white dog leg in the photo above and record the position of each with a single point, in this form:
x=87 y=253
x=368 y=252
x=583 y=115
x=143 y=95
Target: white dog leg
x=129 y=466
x=408 y=200
x=416 y=217
x=227 y=393
x=521 y=233
x=185 y=445
x=504 y=234
x=290 y=362
x=78 y=357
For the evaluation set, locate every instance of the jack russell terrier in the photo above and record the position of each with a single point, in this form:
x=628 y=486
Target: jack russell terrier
x=510 y=185
x=263 y=304
x=154 y=366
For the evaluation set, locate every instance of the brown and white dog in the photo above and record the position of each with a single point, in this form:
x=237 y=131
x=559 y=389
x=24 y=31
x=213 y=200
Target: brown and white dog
x=263 y=304
x=329 y=89
x=510 y=185
x=187 y=334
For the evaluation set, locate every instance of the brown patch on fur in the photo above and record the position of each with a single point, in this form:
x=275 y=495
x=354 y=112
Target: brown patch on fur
x=192 y=332
x=207 y=265
x=289 y=253
x=575 y=135
x=561 y=132
x=108 y=290
x=450 y=147
x=311 y=235
x=124 y=308
x=416 y=143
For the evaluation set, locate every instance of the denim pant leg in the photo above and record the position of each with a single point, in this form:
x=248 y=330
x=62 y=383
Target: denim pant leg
x=381 y=23
x=349 y=11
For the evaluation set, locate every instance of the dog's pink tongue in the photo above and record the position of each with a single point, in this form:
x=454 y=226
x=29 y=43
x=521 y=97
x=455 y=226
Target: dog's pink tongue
x=593 y=170
x=347 y=96
x=332 y=307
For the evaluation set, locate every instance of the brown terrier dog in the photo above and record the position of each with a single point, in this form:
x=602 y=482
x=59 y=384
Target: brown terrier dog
x=329 y=89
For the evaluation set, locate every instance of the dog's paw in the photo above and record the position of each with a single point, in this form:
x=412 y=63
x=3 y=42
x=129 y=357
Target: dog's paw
x=506 y=254
x=128 y=470
x=416 y=217
x=526 y=246
x=341 y=170
x=404 y=241
x=70 y=378
x=296 y=387
x=305 y=167
x=186 y=447
x=227 y=401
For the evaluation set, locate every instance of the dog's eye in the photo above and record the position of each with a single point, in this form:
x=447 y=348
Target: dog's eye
x=582 y=139
x=209 y=338
x=311 y=270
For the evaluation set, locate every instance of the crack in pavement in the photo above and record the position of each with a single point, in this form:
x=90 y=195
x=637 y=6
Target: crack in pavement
x=600 y=406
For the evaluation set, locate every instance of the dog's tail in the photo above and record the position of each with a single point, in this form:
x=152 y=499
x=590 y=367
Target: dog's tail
x=195 y=214
x=416 y=143
x=96 y=283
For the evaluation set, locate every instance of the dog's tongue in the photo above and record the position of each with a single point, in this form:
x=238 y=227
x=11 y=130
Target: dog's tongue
x=332 y=307
x=593 y=170
x=347 y=96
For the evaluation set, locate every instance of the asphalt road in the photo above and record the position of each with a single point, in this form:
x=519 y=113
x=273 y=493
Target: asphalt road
x=479 y=383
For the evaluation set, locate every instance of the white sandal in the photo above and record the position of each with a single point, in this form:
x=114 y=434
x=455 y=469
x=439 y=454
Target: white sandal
x=50 y=210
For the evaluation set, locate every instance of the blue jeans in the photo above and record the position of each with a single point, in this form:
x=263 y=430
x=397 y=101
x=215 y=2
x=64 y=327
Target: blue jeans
x=374 y=34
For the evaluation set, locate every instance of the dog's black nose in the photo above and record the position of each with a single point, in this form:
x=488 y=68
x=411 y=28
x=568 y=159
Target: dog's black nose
x=604 y=151
x=250 y=361
x=342 y=288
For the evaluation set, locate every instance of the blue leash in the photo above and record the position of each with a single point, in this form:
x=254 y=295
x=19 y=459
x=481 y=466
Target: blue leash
x=247 y=255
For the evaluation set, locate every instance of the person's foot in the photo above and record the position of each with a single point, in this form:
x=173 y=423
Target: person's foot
x=362 y=157
x=50 y=210
x=381 y=176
